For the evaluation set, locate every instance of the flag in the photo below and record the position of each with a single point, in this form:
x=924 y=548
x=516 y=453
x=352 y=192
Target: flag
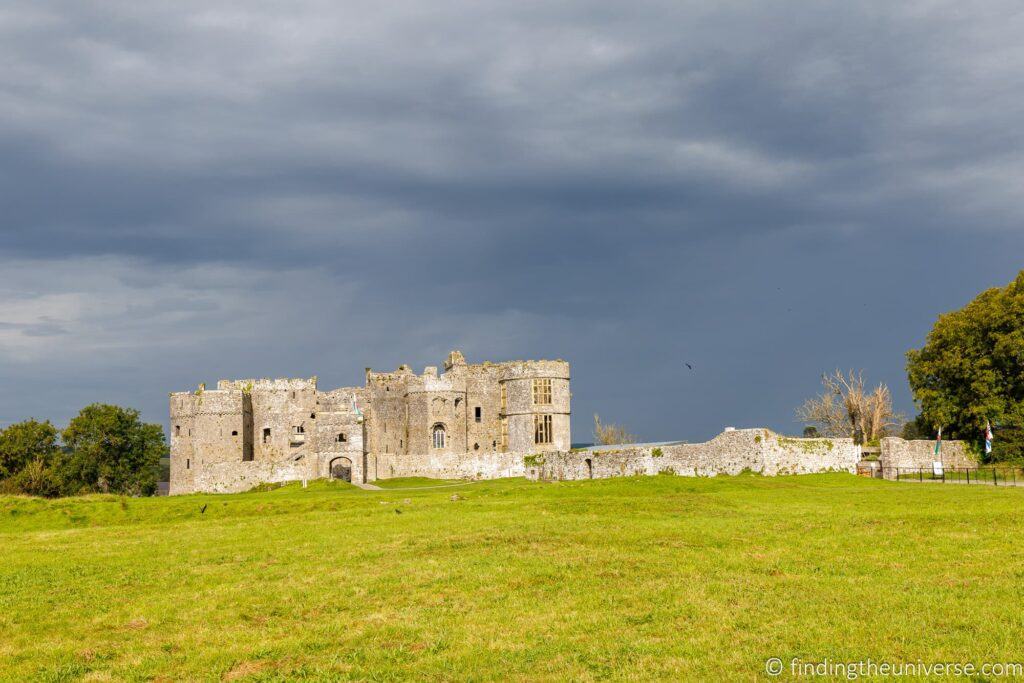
x=938 y=443
x=988 y=437
x=355 y=408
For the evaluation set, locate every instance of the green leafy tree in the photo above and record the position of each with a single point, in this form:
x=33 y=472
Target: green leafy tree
x=112 y=450
x=37 y=478
x=971 y=368
x=917 y=428
x=26 y=442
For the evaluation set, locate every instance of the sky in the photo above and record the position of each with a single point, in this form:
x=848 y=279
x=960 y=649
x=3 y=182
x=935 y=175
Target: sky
x=200 y=189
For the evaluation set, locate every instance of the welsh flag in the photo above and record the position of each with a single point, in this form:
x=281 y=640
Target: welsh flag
x=938 y=444
x=988 y=437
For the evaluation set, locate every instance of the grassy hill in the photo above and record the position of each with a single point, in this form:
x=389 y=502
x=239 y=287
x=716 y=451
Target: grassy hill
x=648 y=577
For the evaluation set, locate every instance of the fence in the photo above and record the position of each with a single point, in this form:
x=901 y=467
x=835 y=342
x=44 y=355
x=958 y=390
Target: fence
x=991 y=476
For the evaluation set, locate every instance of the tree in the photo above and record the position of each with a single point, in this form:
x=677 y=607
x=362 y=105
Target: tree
x=971 y=367
x=112 y=450
x=811 y=432
x=610 y=434
x=25 y=442
x=916 y=429
x=847 y=409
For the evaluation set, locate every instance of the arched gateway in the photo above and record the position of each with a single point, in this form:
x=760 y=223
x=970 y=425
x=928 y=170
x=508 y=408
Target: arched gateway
x=341 y=468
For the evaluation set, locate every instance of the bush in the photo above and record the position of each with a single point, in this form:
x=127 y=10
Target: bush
x=35 y=479
x=611 y=434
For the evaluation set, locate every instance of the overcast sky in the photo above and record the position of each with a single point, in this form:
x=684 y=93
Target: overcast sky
x=200 y=189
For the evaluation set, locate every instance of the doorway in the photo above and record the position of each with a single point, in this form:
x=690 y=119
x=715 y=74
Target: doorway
x=341 y=468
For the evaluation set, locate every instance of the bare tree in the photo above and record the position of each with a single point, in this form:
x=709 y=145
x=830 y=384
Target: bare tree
x=847 y=409
x=610 y=434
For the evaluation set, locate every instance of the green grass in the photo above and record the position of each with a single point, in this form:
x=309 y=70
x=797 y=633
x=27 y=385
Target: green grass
x=983 y=475
x=418 y=482
x=639 y=578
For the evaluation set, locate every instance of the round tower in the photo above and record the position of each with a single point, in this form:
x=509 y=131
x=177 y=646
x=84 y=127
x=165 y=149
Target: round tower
x=535 y=406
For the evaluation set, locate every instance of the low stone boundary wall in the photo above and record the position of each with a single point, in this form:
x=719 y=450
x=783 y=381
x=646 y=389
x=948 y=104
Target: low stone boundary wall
x=899 y=453
x=243 y=476
x=449 y=466
x=731 y=452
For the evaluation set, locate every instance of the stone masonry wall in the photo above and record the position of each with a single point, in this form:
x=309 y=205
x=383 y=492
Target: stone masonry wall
x=449 y=465
x=900 y=453
x=731 y=452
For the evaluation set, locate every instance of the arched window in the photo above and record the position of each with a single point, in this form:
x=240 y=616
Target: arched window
x=438 y=435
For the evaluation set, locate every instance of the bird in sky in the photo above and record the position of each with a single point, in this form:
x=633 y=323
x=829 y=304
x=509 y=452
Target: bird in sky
x=688 y=365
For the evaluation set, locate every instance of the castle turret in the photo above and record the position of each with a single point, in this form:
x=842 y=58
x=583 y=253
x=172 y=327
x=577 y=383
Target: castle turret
x=534 y=406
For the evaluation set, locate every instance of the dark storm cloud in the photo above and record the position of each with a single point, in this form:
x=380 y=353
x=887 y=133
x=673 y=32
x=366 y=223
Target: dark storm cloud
x=202 y=188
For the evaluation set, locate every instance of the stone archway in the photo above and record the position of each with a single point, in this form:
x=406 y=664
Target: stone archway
x=341 y=468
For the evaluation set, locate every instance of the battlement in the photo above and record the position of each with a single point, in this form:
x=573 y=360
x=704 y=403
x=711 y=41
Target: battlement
x=266 y=384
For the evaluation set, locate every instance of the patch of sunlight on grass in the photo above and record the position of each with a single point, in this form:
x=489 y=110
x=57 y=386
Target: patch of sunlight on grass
x=640 y=578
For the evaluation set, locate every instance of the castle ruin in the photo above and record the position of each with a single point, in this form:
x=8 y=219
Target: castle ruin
x=475 y=420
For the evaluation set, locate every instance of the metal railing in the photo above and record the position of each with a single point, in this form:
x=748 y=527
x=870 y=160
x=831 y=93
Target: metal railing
x=985 y=475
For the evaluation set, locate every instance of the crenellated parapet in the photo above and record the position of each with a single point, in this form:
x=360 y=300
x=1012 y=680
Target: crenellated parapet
x=267 y=384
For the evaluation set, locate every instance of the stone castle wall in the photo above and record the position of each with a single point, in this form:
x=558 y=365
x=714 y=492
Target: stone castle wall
x=899 y=453
x=731 y=452
x=450 y=466
x=248 y=432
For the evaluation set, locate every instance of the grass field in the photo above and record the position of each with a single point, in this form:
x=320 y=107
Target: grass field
x=641 y=578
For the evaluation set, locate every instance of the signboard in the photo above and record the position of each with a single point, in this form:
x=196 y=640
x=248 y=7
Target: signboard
x=937 y=468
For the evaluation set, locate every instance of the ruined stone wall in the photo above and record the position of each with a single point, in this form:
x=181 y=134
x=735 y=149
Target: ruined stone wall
x=436 y=400
x=284 y=420
x=732 y=452
x=207 y=428
x=483 y=393
x=247 y=432
x=387 y=410
x=472 y=465
x=237 y=477
x=182 y=406
x=897 y=453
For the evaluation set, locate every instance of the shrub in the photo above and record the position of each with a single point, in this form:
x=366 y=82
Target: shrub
x=533 y=460
x=611 y=434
